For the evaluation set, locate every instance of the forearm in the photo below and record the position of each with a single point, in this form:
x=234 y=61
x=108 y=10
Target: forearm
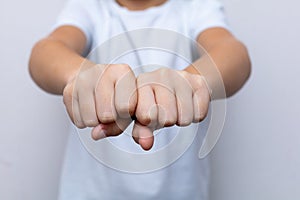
x=52 y=63
x=226 y=65
x=225 y=62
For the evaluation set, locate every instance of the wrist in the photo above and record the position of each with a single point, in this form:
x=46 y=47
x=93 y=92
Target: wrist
x=193 y=70
x=72 y=73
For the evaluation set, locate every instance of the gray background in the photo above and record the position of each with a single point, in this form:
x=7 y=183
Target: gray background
x=257 y=156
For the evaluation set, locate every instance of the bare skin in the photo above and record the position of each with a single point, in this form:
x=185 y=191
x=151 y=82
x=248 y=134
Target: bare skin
x=105 y=104
x=140 y=5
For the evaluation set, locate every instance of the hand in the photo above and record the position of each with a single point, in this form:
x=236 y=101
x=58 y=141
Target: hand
x=103 y=97
x=167 y=97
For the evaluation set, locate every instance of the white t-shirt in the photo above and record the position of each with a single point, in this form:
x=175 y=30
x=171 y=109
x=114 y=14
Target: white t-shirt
x=186 y=177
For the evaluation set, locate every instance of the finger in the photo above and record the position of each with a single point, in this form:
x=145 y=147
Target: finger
x=87 y=108
x=98 y=132
x=76 y=114
x=143 y=135
x=146 y=111
x=113 y=129
x=167 y=109
x=104 y=99
x=68 y=100
x=125 y=95
x=201 y=101
x=184 y=102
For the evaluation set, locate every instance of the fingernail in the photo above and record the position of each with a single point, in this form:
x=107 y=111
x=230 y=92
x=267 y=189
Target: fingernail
x=102 y=134
x=98 y=133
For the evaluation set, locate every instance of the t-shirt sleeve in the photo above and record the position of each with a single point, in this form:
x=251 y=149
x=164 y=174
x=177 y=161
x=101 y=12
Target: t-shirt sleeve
x=206 y=14
x=78 y=13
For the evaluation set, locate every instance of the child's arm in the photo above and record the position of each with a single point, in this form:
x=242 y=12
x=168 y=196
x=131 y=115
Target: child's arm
x=98 y=94
x=56 y=59
x=230 y=58
x=183 y=96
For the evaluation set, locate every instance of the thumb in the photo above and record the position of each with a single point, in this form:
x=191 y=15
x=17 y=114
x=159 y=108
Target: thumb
x=112 y=129
x=143 y=135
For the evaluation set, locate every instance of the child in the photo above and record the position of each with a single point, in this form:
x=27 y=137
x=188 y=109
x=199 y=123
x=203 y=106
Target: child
x=109 y=96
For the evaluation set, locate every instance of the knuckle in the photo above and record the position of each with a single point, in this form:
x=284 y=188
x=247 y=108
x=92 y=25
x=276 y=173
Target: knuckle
x=83 y=77
x=164 y=72
x=79 y=124
x=123 y=108
x=120 y=72
x=123 y=67
x=106 y=117
x=167 y=119
x=170 y=122
x=184 y=74
x=184 y=122
x=202 y=84
x=203 y=115
x=143 y=119
x=90 y=122
x=131 y=109
x=200 y=117
x=141 y=79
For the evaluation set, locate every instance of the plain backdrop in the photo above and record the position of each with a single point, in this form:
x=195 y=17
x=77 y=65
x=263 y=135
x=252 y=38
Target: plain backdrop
x=258 y=154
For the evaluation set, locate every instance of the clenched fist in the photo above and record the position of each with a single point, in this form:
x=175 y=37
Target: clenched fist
x=106 y=97
x=103 y=97
x=167 y=97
